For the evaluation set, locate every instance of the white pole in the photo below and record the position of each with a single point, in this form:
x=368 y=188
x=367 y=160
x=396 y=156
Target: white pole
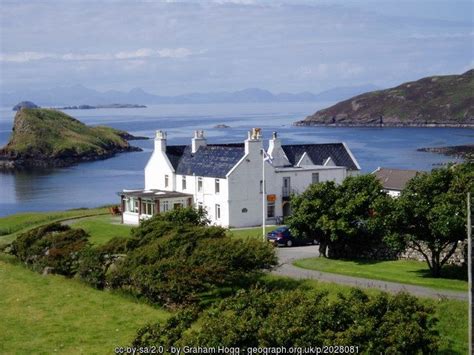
x=263 y=196
x=469 y=268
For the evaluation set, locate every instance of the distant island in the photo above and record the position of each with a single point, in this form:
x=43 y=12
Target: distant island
x=436 y=101
x=221 y=126
x=93 y=107
x=24 y=104
x=50 y=138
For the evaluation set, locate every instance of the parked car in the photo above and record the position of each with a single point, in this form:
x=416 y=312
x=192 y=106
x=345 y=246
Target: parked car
x=282 y=237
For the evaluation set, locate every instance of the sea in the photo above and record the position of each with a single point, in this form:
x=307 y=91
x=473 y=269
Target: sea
x=97 y=183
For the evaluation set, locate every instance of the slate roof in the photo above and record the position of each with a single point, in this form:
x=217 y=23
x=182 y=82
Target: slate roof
x=216 y=160
x=153 y=194
x=394 y=179
x=319 y=153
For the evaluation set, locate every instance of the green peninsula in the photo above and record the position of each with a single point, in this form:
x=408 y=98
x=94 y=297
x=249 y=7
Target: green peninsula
x=51 y=138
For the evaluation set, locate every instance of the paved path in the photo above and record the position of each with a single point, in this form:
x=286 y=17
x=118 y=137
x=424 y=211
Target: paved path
x=288 y=255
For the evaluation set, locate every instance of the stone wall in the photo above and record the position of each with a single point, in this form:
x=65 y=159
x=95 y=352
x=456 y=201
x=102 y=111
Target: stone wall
x=458 y=258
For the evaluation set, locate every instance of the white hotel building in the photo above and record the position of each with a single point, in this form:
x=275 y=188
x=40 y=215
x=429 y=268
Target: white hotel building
x=226 y=179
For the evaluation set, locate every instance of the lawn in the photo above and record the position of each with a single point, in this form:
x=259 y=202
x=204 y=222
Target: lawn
x=11 y=225
x=242 y=233
x=102 y=228
x=403 y=271
x=53 y=314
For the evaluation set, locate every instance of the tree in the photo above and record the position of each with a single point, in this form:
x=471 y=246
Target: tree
x=430 y=214
x=344 y=218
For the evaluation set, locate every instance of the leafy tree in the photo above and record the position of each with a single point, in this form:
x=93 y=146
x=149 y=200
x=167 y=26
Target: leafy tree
x=430 y=214
x=376 y=324
x=345 y=219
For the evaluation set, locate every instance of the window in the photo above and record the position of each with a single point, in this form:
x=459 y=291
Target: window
x=177 y=205
x=315 y=178
x=148 y=208
x=200 y=207
x=200 y=184
x=271 y=209
x=166 y=180
x=135 y=206
x=183 y=183
x=218 y=186
x=261 y=186
x=165 y=206
x=218 y=211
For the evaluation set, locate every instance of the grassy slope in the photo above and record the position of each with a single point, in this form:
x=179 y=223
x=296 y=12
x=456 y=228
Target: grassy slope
x=437 y=99
x=52 y=133
x=11 y=225
x=404 y=271
x=103 y=228
x=54 y=314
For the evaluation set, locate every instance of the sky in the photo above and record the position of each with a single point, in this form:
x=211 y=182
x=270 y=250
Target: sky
x=175 y=47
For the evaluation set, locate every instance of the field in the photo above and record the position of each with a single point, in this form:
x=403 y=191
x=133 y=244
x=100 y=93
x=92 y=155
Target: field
x=54 y=314
x=403 y=271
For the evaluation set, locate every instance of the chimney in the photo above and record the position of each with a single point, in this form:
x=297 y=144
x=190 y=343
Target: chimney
x=276 y=151
x=198 y=141
x=160 y=141
x=253 y=143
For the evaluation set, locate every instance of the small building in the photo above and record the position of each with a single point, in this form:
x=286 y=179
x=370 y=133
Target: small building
x=226 y=179
x=394 y=180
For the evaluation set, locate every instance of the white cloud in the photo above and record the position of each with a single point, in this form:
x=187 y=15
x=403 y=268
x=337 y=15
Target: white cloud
x=23 y=57
x=326 y=70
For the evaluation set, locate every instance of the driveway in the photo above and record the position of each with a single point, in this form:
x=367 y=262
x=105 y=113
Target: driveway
x=288 y=255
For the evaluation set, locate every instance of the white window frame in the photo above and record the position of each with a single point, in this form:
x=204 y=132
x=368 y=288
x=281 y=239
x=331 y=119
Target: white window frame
x=200 y=184
x=165 y=206
x=167 y=180
x=313 y=180
x=217 y=186
x=270 y=207
x=183 y=182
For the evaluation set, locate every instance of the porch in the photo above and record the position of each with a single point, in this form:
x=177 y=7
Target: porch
x=137 y=205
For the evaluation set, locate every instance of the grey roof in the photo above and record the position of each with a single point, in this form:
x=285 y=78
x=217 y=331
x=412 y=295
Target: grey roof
x=153 y=194
x=213 y=160
x=319 y=153
x=394 y=179
x=216 y=160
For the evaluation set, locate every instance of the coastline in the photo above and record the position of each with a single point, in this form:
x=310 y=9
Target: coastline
x=388 y=125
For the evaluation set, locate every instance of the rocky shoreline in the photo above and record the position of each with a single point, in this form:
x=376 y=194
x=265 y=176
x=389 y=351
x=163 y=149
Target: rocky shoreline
x=388 y=125
x=45 y=162
x=457 y=151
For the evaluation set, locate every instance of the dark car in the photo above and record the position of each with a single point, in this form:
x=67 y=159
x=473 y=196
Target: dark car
x=282 y=237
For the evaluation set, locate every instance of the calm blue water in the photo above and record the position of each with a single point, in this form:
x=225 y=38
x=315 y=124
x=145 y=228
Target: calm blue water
x=96 y=183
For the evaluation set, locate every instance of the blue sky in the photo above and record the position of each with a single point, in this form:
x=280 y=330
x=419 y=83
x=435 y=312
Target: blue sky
x=176 y=47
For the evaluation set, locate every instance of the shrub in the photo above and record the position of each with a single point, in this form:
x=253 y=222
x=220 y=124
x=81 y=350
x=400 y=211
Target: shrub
x=116 y=245
x=92 y=267
x=55 y=246
x=258 y=318
x=177 y=264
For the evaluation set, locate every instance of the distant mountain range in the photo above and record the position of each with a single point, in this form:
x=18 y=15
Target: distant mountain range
x=79 y=95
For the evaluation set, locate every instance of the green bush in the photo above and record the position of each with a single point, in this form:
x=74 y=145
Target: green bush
x=116 y=245
x=92 y=267
x=55 y=246
x=178 y=263
x=378 y=324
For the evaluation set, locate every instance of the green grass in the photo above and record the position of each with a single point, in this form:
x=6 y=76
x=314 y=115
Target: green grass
x=403 y=271
x=53 y=314
x=20 y=222
x=254 y=233
x=103 y=228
